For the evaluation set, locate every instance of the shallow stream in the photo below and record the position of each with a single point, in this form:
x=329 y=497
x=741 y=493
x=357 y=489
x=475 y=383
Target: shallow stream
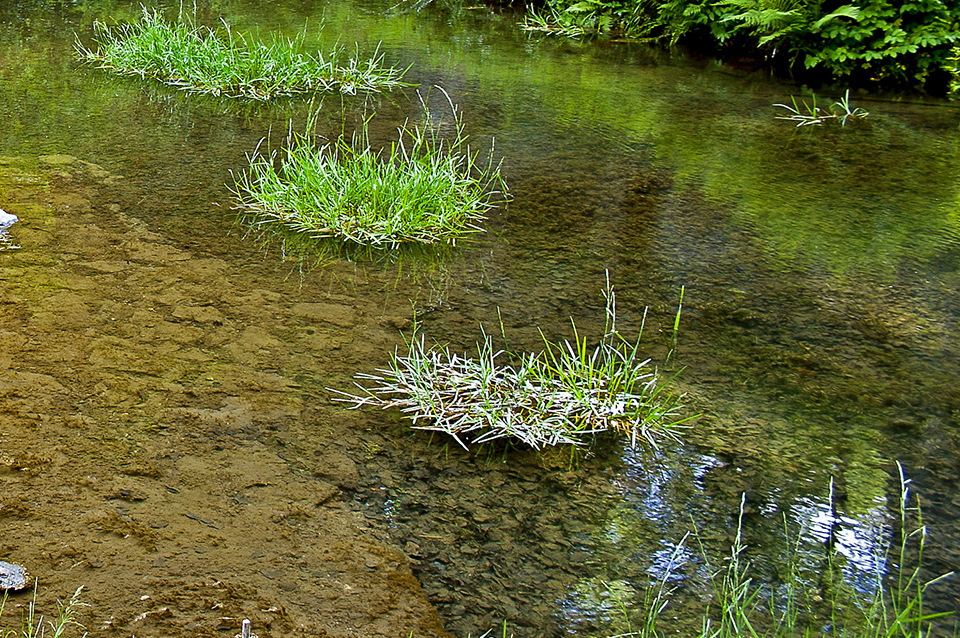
x=818 y=339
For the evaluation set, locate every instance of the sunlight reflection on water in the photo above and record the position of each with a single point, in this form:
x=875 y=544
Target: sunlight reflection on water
x=863 y=540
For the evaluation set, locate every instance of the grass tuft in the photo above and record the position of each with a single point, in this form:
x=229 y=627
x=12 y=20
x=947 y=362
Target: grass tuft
x=808 y=113
x=740 y=608
x=32 y=624
x=564 y=395
x=224 y=63
x=422 y=189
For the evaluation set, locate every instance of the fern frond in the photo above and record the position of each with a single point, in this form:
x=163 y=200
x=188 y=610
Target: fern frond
x=765 y=20
x=846 y=11
x=746 y=5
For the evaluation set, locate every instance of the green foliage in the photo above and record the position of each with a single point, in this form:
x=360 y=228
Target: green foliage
x=677 y=20
x=953 y=68
x=895 y=43
x=226 y=64
x=423 y=189
x=584 y=17
x=902 y=43
x=772 y=20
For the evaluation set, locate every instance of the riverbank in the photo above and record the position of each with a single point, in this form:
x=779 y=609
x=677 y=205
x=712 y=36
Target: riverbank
x=867 y=44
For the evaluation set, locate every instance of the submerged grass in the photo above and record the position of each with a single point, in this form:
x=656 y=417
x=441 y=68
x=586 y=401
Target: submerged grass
x=224 y=63
x=32 y=623
x=565 y=394
x=742 y=608
x=738 y=607
x=424 y=188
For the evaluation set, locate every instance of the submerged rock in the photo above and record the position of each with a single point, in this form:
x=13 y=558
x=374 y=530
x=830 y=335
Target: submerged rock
x=58 y=159
x=13 y=576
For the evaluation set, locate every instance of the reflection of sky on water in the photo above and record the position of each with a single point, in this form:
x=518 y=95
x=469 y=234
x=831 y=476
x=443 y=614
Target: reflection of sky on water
x=645 y=530
x=666 y=495
x=649 y=486
x=862 y=541
x=6 y=221
x=650 y=479
x=665 y=562
x=594 y=602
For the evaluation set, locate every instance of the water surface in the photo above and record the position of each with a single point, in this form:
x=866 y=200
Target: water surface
x=819 y=333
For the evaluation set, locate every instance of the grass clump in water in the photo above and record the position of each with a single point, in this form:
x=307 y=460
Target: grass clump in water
x=808 y=114
x=422 y=189
x=223 y=63
x=565 y=394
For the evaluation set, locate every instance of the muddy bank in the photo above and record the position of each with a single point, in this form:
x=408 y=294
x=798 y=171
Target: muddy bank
x=146 y=395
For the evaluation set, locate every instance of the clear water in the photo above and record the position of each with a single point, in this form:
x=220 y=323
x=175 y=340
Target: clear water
x=819 y=336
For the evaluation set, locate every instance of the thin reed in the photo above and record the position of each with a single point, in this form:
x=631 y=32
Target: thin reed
x=423 y=188
x=35 y=625
x=563 y=395
x=741 y=607
x=223 y=63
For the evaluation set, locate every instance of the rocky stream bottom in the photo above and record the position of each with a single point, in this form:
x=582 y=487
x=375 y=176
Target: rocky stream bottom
x=167 y=440
x=147 y=394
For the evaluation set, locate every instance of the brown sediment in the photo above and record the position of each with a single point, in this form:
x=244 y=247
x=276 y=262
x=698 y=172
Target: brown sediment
x=146 y=394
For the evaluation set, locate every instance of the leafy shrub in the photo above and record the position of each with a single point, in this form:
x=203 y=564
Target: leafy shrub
x=888 y=43
x=905 y=43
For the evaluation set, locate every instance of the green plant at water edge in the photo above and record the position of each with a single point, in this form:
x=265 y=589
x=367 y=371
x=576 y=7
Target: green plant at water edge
x=584 y=17
x=865 y=42
x=224 y=63
x=32 y=625
x=806 y=114
x=565 y=394
x=742 y=608
x=953 y=68
x=424 y=188
x=898 y=610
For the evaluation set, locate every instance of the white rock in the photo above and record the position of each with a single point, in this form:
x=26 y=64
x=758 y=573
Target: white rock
x=6 y=219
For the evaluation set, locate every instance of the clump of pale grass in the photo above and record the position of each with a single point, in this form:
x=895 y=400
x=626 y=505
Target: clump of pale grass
x=565 y=394
x=223 y=63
